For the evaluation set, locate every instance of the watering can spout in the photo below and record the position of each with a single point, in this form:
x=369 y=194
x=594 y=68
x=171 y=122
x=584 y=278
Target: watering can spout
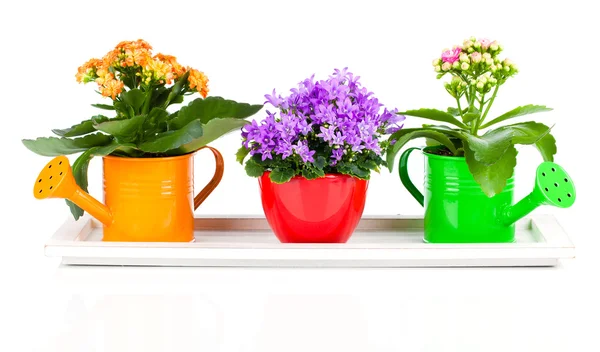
x=553 y=186
x=56 y=181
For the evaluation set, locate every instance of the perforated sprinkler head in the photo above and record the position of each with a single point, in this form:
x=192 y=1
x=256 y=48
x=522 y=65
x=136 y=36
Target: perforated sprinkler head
x=55 y=180
x=553 y=186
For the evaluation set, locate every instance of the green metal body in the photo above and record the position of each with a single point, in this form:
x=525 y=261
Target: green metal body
x=457 y=211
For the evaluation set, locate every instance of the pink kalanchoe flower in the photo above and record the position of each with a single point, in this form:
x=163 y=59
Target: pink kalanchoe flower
x=485 y=43
x=451 y=55
x=476 y=57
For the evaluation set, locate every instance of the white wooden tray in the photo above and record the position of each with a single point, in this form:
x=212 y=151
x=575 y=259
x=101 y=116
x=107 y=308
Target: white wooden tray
x=382 y=241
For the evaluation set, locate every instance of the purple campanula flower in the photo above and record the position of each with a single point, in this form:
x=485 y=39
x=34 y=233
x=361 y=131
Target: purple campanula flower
x=266 y=155
x=327 y=133
x=301 y=148
x=336 y=115
x=284 y=149
x=274 y=99
x=287 y=127
x=340 y=74
x=304 y=127
x=336 y=155
x=338 y=139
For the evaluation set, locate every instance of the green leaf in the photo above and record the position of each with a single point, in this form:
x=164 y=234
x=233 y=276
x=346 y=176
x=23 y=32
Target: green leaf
x=254 y=169
x=490 y=147
x=177 y=88
x=241 y=154
x=453 y=111
x=436 y=115
x=352 y=170
x=126 y=131
x=124 y=109
x=103 y=106
x=492 y=178
x=281 y=175
x=405 y=135
x=159 y=97
x=53 y=146
x=311 y=173
x=155 y=123
x=210 y=108
x=535 y=133
x=368 y=164
x=471 y=114
x=177 y=100
x=81 y=128
x=80 y=167
x=173 y=139
x=440 y=75
x=212 y=130
x=134 y=98
x=320 y=162
x=516 y=112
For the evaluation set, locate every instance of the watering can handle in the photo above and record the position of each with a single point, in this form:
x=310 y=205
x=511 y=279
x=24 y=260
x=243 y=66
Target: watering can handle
x=214 y=182
x=403 y=170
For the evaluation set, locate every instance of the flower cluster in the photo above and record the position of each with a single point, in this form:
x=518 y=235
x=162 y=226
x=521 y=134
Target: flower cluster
x=132 y=64
x=332 y=125
x=477 y=73
x=475 y=63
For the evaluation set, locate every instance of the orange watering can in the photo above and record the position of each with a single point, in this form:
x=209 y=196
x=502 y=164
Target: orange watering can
x=146 y=199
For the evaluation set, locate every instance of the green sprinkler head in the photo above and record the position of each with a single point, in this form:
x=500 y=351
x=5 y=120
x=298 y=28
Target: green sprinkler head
x=553 y=186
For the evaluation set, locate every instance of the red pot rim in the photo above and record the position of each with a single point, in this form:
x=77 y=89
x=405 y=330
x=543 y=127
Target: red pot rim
x=266 y=173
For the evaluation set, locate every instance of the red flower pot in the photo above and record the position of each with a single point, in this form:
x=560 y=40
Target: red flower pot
x=323 y=210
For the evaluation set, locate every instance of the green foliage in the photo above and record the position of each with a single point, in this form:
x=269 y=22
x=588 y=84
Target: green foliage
x=253 y=168
x=214 y=129
x=516 y=112
x=491 y=156
x=52 y=146
x=142 y=127
x=493 y=177
x=405 y=135
x=436 y=115
x=281 y=171
x=281 y=174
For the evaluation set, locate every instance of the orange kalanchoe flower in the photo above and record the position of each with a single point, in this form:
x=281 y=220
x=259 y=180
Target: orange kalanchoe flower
x=134 y=56
x=87 y=70
x=158 y=71
x=198 y=81
x=103 y=76
x=129 y=54
x=112 y=88
x=140 y=43
x=178 y=70
x=132 y=59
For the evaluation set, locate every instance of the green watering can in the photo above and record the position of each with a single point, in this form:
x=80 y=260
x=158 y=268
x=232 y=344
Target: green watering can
x=457 y=210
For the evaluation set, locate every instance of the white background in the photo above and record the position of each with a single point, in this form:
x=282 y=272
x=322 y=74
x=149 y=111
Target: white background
x=247 y=48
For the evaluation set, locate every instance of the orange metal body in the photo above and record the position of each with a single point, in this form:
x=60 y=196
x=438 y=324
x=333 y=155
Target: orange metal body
x=146 y=199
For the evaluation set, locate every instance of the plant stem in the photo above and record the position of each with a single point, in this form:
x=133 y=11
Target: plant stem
x=147 y=101
x=487 y=109
x=459 y=108
x=482 y=102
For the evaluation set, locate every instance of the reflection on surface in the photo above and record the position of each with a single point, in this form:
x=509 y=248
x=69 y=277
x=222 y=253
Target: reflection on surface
x=101 y=317
x=140 y=323
x=300 y=323
x=258 y=310
x=187 y=309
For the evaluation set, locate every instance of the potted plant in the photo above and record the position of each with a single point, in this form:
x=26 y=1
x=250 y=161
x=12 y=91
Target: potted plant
x=314 y=156
x=147 y=145
x=469 y=174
